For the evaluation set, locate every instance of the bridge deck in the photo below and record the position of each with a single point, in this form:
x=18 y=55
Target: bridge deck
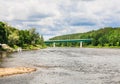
x=69 y=40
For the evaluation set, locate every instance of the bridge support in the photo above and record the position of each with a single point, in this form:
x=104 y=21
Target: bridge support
x=81 y=44
x=54 y=44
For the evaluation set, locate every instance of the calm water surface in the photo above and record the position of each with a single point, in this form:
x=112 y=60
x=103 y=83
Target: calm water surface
x=66 y=66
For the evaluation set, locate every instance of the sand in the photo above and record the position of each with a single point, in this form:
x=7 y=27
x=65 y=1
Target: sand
x=16 y=70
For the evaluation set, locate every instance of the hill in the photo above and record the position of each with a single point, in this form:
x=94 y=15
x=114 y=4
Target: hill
x=107 y=36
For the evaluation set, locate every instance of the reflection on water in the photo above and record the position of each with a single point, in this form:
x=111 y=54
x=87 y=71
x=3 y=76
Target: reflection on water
x=3 y=54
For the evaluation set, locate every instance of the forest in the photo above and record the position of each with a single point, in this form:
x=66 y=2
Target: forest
x=26 y=39
x=103 y=37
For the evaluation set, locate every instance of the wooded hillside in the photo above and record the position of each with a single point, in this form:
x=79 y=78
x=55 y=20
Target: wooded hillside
x=107 y=36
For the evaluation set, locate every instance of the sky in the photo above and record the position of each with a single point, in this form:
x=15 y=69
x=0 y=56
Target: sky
x=57 y=17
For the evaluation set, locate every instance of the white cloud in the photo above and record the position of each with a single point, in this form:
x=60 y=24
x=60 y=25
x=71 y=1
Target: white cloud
x=57 y=17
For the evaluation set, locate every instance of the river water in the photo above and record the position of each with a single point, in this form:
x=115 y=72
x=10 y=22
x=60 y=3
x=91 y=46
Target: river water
x=66 y=66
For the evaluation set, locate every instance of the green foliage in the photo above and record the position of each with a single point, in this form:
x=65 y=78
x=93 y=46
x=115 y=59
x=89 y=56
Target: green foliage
x=107 y=36
x=15 y=38
x=3 y=36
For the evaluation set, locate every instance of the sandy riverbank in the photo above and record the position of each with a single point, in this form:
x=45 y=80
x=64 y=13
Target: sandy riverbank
x=16 y=70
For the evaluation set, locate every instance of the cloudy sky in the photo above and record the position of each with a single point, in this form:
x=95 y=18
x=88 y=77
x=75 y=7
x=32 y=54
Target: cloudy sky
x=57 y=17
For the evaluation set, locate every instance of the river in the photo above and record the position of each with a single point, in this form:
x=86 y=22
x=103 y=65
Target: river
x=66 y=66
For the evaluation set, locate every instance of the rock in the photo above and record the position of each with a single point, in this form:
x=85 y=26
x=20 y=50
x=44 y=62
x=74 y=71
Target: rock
x=6 y=48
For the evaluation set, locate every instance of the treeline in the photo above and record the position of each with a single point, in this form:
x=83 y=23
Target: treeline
x=26 y=39
x=105 y=37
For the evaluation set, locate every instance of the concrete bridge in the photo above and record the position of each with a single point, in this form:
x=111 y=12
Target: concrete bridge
x=69 y=40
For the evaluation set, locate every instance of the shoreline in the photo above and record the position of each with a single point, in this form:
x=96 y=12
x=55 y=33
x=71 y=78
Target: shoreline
x=5 y=71
x=16 y=70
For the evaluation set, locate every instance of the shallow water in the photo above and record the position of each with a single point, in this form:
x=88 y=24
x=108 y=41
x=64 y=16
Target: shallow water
x=66 y=66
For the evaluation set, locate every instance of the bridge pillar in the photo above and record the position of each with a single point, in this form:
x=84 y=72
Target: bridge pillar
x=81 y=44
x=54 y=44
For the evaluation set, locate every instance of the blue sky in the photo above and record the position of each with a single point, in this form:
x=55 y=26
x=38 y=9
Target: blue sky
x=56 y=17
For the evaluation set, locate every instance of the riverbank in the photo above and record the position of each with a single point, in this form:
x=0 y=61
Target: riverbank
x=4 y=52
x=16 y=70
x=13 y=71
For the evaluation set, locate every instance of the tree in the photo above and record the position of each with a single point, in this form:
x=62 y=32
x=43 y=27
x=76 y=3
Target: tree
x=13 y=39
x=3 y=34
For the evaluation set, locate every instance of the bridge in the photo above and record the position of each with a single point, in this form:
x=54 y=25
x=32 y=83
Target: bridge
x=69 y=40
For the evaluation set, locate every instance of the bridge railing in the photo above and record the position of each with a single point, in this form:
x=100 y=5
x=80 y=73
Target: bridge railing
x=69 y=40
